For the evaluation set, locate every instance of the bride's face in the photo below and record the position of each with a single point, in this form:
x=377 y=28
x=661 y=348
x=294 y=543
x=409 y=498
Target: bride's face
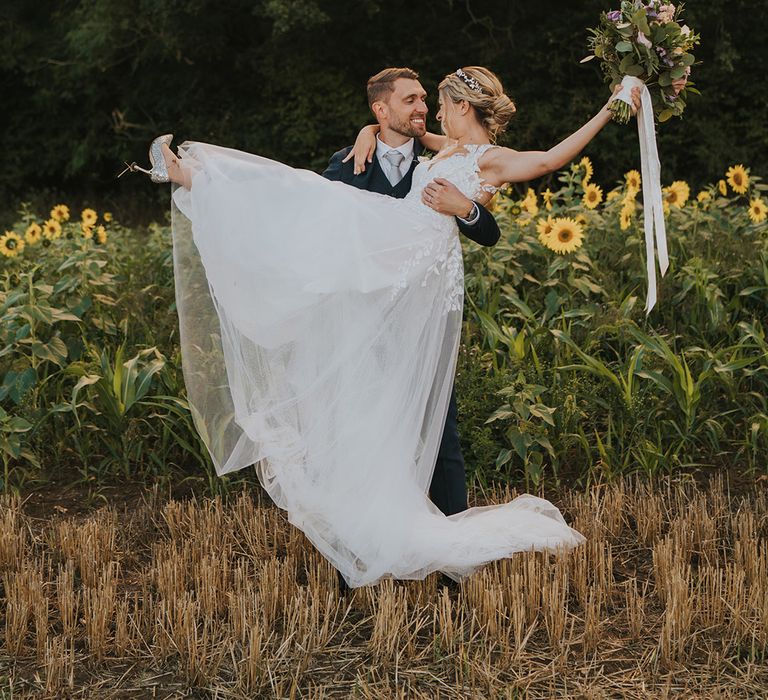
x=448 y=115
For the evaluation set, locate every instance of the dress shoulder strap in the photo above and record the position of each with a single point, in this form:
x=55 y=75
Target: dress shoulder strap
x=476 y=150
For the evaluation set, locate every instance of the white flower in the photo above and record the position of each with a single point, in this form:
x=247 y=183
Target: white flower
x=685 y=30
x=642 y=39
x=666 y=13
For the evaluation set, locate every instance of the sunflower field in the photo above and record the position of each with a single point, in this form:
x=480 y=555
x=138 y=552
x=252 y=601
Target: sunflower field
x=561 y=376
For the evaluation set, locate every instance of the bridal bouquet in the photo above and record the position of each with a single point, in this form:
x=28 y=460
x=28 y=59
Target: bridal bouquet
x=646 y=40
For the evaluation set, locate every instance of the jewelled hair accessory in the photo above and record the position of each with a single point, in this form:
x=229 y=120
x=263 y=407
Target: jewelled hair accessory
x=469 y=80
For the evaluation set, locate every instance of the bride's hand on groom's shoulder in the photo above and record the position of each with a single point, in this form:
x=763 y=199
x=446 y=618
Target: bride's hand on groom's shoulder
x=364 y=148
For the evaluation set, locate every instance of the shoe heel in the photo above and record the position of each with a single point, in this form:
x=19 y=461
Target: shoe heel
x=158 y=171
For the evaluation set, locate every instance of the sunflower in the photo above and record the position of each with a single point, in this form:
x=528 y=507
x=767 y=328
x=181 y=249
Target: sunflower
x=544 y=229
x=738 y=178
x=491 y=205
x=515 y=210
x=611 y=195
x=586 y=164
x=625 y=218
x=593 y=195
x=757 y=210
x=33 y=234
x=547 y=197
x=108 y=216
x=101 y=235
x=676 y=195
x=703 y=196
x=722 y=188
x=60 y=213
x=530 y=203
x=88 y=217
x=566 y=236
x=11 y=244
x=86 y=231
x=51 y=229
x=627 y=212
x=632 y=178
x=581 y=219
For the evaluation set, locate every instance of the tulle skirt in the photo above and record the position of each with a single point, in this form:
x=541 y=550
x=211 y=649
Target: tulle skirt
x=319 y=330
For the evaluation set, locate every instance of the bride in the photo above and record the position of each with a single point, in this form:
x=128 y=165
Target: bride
x=319 y=330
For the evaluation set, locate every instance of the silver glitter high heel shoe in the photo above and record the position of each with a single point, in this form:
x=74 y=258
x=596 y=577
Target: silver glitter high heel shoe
x=159 y=171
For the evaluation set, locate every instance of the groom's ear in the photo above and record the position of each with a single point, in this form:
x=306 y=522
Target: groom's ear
x=380 y=110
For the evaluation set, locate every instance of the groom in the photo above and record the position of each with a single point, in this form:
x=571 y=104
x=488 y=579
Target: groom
x=396 y=99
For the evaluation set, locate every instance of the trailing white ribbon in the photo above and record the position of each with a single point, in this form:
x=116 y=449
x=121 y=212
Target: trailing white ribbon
x=653 y=207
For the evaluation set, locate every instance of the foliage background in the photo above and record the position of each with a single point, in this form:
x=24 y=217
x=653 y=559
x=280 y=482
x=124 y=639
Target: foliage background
x=87 y=83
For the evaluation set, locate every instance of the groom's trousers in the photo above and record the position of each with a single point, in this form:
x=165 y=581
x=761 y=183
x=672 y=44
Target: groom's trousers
x=448 y=489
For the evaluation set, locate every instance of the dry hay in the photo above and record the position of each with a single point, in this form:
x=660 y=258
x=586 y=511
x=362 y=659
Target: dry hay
x=668 y=598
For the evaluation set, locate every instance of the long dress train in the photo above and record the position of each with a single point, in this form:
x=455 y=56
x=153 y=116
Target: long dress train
x=319 y=330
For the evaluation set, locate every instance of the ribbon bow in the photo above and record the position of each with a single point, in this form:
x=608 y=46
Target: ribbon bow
x=653 y=207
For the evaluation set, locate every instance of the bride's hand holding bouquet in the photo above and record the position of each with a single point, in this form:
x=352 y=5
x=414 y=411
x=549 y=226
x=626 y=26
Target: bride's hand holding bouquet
x=646 y=42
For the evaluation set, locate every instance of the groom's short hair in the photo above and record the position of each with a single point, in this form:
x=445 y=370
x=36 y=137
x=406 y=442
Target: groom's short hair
x=381 y=85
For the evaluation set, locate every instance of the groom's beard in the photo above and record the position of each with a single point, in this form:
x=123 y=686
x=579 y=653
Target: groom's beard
x=406 y=127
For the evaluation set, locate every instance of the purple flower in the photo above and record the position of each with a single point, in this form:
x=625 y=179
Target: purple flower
x=614 y=16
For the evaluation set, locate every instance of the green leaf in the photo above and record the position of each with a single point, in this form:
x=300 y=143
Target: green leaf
x=624 y=47
x=665 y=115
x=626 y=62
x=544 y=412
x=54 y=350
x=87 y=380
x=520 y=441
x=640 y=20
x=504 y=457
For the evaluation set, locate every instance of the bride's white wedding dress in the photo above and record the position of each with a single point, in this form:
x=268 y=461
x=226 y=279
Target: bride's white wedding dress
x=319 y=331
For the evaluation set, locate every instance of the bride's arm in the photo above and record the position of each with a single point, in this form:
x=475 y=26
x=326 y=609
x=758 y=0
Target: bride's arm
x=502 y=165
x=365 y=146
x=433 y=142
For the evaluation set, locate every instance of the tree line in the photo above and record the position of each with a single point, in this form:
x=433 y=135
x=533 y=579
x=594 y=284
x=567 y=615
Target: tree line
x=87 y=83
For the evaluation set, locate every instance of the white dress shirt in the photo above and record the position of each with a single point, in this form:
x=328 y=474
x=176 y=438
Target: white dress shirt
x=406 y=149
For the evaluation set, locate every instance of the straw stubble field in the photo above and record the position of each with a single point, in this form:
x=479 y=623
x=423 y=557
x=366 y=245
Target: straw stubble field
x=214 y=599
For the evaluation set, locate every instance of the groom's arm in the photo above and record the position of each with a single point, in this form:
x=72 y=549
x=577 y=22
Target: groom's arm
x=337 y=169
x=483 y=229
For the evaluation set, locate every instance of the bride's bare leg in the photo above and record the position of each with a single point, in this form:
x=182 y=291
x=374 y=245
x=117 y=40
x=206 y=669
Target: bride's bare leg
x=177 y=174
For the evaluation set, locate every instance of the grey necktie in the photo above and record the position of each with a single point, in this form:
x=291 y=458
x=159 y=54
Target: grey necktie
x=394 y=158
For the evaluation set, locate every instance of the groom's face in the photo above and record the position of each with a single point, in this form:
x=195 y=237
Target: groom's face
x=405 y=112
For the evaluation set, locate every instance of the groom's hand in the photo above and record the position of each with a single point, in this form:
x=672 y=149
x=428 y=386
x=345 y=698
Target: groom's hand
x=445 y=198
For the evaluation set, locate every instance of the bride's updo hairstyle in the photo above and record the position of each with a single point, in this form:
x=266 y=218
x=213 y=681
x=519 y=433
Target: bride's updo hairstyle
x=483 y=90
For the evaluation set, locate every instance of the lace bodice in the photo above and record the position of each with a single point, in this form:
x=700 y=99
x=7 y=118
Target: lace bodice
x=462 y=169
x=444 y=252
